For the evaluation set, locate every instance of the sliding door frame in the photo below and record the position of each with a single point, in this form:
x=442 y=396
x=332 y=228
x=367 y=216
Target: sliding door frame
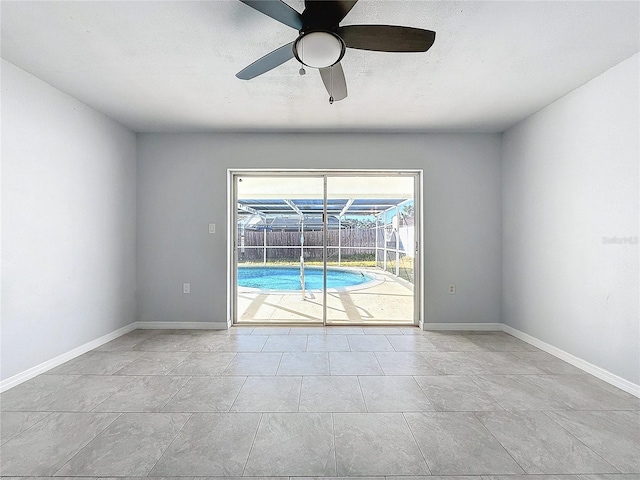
x=324 y=174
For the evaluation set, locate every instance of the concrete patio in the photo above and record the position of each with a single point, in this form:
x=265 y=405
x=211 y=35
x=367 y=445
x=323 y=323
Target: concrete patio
x=389 y=300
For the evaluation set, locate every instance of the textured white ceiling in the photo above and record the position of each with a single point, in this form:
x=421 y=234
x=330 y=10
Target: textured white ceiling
x=170 y=65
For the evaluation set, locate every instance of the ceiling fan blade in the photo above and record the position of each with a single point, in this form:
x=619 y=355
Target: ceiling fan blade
x=387 y=38
x=268 y=62
x=334 y=81
x=326 y=13
x=277 y=10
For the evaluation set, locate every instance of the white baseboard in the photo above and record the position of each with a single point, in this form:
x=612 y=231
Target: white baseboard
x=472 y=327
x=60 y=359
x=181 y=325
x=76 y=352
x=594 y=370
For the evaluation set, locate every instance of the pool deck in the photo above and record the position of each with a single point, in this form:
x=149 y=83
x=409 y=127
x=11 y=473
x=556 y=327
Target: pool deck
x=388 y=301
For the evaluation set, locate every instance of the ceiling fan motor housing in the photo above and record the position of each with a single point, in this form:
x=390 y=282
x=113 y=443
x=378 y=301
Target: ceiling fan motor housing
x=319 y=48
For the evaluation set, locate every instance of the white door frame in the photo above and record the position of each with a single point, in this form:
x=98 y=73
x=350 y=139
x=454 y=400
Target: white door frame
x=324 y=174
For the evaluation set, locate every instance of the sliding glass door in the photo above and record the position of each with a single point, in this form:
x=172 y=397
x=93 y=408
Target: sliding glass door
x=372 y=239
x=325 y=248
x=279 y=251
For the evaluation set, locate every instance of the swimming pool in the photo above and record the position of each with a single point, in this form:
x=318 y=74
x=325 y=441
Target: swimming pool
x=288 y=278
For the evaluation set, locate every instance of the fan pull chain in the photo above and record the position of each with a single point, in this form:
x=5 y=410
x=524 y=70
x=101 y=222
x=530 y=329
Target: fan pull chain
x=331 y=89
x=302 y=71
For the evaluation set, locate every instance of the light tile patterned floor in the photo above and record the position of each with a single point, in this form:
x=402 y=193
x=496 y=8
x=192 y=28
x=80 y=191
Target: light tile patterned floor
x=319 y=402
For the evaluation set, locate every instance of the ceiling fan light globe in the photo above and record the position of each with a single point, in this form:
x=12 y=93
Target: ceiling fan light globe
x=319 y=49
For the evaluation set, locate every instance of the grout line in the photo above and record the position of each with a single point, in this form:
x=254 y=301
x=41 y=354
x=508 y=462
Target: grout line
x=378 y=362
x=252 y=443
x=177 y=392
x=335 y=448
x=235 y=399
x=364 y=400
x=479 y=420
x=349 y=343
x=179 y=363
x=424 y=392
x=437 y=371
x=300 y=393
x=89 y=442
x=279 y=363
x=394 y=348
x=417 y=443
x=5 y=440
x=132 y=379
x=172 y=441
x=546 y=414
x=330 y=372
x=235 y=354
x=473 y=379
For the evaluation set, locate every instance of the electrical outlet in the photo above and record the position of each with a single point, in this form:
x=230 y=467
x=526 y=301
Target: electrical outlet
x=186 y=288
x=452 y=289
x=212 y=228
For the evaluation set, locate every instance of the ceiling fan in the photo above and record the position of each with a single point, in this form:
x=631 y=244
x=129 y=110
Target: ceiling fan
x=321 y=42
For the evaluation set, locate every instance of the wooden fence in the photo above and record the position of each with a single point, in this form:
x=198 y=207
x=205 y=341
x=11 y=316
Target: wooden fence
x=284 y=245
x=359 y=244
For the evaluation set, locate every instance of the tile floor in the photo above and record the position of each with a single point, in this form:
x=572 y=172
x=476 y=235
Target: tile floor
x=319 y=402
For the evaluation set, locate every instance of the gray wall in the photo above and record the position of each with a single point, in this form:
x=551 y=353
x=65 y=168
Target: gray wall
x=570 y=187
x=68 y=223
x=182 y=188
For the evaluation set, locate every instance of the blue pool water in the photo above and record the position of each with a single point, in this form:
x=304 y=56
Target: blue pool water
x=288 y=278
